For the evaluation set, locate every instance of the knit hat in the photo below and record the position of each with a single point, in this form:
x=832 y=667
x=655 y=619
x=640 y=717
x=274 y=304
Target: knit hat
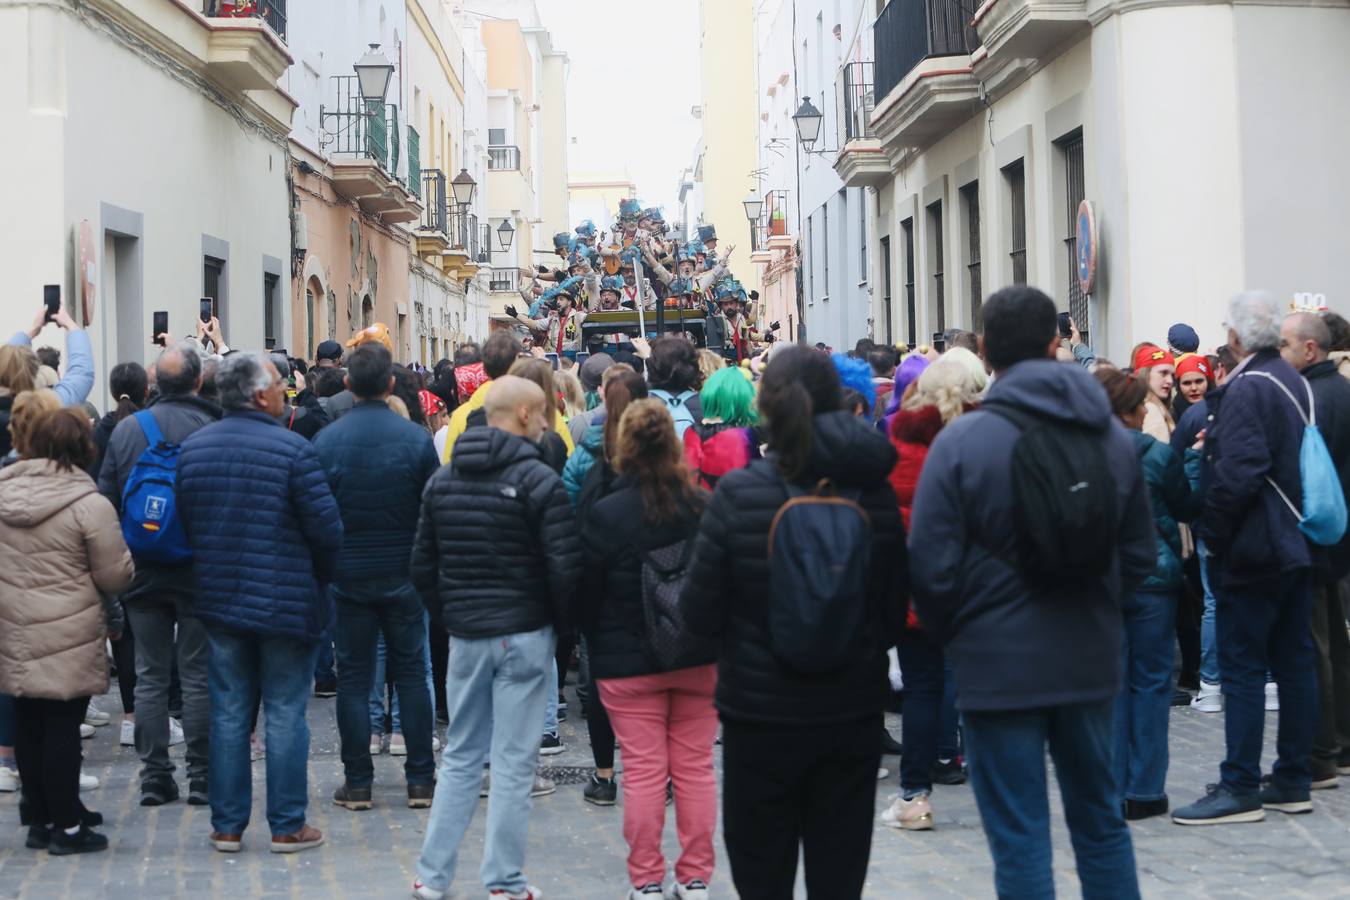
x=328 y=350
x=593 y=369
x=1150 y=355
x=1193 y=362
x=375 y=334
x=1182 y=338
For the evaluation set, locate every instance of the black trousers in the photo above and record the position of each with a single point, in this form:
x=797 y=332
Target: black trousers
x=47 y=749
x=812 y=787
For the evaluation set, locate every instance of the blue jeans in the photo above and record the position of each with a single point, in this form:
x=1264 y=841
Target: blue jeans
x=377 y=691
x=241 y=666
x=921 y=667
x=1267 y=627
x=551 y=707
x=389 y=608
x=1145 y=698
x=1006 y=752
x=323 y=663
x=495 y=690
x=1209 y=652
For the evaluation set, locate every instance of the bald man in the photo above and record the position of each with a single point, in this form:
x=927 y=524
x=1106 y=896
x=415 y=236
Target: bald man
x=1305 y=343
x=160 y=597
x=496 y=559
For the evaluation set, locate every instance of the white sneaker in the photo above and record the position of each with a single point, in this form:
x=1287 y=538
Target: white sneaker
x=9 y=780
x=397 y=745
x=435 y=744
x=86 y=731
x=1272 y=697
x=1210 y=698
x=542 y=786
x=88 y=782
x=694 y=890
x=909 y=815
x=175 y=732
x=376 y=744
x=128 y=736
x=422 y=892
x=652 y=891
x=96 y=717
x=883 y=773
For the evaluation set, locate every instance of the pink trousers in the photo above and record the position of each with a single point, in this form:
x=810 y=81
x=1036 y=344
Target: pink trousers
x=666 y=726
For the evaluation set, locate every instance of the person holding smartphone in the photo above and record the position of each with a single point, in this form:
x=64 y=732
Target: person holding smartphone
x=74 y=388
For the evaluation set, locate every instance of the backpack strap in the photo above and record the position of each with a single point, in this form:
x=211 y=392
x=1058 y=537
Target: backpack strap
x=149 y=427
x=1310 y=418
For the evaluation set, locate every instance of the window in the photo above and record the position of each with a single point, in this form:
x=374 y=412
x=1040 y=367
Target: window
x=937 y=301
x=1015 y=175
x=825 y=247
x=309 y=321
x=912 y=327
x=270 y=310
x=496 y=136
x=213 y=283
x=862 y=237
x=1072 y=148
x=886 y=288
x=970 y=196
x=808 y=263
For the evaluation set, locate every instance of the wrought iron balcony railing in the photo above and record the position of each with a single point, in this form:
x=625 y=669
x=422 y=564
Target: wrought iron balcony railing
x=273 y=12
x=856 y=99
x=434 y=216
x=504 y=157
x=909 y=31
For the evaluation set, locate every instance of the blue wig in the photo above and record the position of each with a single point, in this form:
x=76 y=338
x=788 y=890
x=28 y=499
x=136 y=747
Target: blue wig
x=856 y=374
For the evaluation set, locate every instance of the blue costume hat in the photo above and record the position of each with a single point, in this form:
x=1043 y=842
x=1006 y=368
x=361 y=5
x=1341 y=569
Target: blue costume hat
x=586 y=229
x=562 y=241
x=707 y=233
x=629 y=209
x=612 y=283
x=581 y=256
x=684 y=253
x=653 y=213
x=696 y=247
x=569 y=287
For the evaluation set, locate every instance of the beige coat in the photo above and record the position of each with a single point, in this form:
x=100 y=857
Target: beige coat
x=60 y=546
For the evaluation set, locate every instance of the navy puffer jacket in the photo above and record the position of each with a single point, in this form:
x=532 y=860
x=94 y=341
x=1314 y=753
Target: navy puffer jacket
x=263 y=525
x=377 y=464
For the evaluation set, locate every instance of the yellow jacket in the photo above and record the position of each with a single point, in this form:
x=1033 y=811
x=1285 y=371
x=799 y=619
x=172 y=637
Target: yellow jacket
x=459 y=420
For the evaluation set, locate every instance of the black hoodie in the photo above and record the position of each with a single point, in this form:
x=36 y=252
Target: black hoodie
x=728 y=589
x=497 y=550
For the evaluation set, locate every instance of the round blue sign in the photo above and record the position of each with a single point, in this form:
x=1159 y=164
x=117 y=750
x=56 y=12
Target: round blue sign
x=1087 y=247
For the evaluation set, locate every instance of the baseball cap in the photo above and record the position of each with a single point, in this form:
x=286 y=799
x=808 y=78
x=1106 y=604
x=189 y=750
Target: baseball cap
x=328 y=350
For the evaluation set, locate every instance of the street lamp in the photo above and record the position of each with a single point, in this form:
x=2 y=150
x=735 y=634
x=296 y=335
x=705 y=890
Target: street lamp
x=807 y=119
x=754 y=204
x=462 y=187
x=373 y=72
x=506 y=234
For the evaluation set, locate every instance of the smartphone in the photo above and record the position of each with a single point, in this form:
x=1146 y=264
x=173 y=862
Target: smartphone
x=161 y=326
x=1065 y=325
x=939 y=343
x=552 y=358
x=51 y=296
x=207 y=309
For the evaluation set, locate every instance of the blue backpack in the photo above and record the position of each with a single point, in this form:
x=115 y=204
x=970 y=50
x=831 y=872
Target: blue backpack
x=150 y=523
x=1323 y=518
x=678 y=407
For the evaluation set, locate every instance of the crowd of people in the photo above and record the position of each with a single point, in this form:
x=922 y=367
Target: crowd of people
x=761 y=545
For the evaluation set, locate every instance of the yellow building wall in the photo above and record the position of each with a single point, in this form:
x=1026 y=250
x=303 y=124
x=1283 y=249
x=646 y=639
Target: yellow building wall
x=553 y=144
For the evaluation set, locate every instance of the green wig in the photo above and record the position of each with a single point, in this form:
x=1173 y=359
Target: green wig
x=728 y=395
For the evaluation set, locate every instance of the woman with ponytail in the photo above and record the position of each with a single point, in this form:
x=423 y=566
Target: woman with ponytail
x=663 y=716
x=801 y=746
x=130 y=385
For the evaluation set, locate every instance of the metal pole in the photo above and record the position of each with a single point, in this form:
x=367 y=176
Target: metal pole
x=638 y=278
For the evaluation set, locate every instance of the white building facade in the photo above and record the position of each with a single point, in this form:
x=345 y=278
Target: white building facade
x=1207 y=138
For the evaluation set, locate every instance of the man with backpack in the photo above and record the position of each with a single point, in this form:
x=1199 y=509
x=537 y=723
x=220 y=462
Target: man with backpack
x=1259 y=567
x=160 y=599
x=1030 y=521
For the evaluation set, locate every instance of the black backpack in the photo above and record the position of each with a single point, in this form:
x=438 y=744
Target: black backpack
x=668 y=642
x=1064 y=501
x=820 y=556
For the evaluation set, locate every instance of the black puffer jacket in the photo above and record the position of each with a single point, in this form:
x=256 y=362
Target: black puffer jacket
x=497 y=550
x=609 y=607
x=727 y=593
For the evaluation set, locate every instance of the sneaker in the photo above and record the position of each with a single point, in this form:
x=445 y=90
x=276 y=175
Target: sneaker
x=950 y=771
x=562 y=714
x=422 y=892
x=647 y=890
x=551 y=745
x=421 y=795
x=39 y=837
x=1209 y=699
x=883 y=773
x=376 y=744
x=198 y=793
x=601 y=791
x=128 y=736
x=1272 y=697
x=693 y=890
x=435 y=744
x=889 y=745
x=397 y=745
x=1220 y=806
x=529 y=893
x=96 y=717
x=909 y=815
x=1144 y=809
x=1294 y=801
x=227 y=843
x=353 y=798
x=307 y=838
x=1181 y=697
x=86 y=731
x=159 y=793
x=175 y=733
x=9 y=780
x=88 y=782
x=82 y=841
x=1325 y=780
x=542 y=787
x=325 y=687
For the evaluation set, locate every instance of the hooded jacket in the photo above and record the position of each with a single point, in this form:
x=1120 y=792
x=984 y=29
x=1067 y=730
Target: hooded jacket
x=580 y=463
x=727 y=594
x=60 y=549
x=497 y=550
x=1172 y=501
x=1011 y=647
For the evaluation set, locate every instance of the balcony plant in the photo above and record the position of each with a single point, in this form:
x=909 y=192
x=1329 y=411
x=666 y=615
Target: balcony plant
x=777 y=223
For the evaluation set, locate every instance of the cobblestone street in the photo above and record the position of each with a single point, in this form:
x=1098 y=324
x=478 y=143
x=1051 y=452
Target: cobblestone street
x=577 y=850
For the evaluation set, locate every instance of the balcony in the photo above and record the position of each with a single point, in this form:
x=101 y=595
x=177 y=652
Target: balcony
x=432 y=236
x=415 y=162
x=364 y=148
x=1029 y=29
x=246 y=49
x=504 y=281
x=504 y=158
x=484 y=257
x=924 y=85
x=861 y=162
x=460 y=260
x=775 y=216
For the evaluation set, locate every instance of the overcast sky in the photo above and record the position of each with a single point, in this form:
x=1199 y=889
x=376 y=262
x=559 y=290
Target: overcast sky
x=634 y=79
